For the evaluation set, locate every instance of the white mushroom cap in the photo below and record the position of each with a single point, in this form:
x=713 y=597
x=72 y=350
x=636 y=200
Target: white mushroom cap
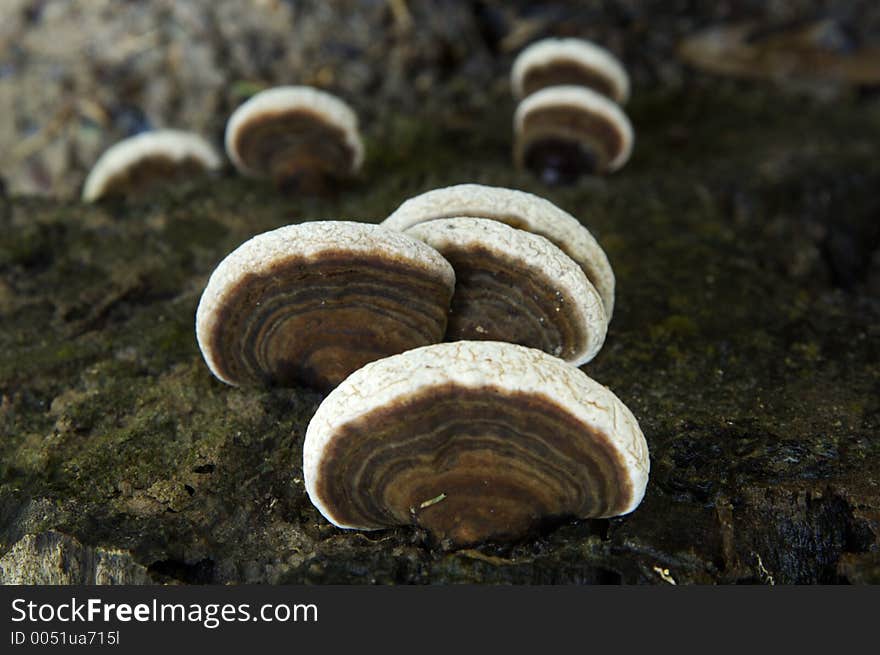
x=492 y=263
x=174 y=145
x=518 y=209
x=387 y=392
x=580 y=99
x=396 y=285
x=279 y=100
x=584 y=53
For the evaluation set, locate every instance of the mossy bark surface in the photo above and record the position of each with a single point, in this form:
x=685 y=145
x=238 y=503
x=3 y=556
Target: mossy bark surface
x=746 y=340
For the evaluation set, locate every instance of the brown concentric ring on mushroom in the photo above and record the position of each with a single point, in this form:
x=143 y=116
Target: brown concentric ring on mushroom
x=472 y=441
x=512 y=285
x=578 y=62
x=564 y=132
x=518 y=209
x=301 y=137
x=308 y=304
x=141 y=161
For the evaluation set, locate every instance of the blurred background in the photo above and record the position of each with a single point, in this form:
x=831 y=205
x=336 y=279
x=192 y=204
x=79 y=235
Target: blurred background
x=78 y=75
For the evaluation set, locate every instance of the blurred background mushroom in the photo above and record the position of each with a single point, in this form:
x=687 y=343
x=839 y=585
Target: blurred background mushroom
x=303 y=138
x=141 y=162
x=562 y=133
x=819 y=49
x=555 y=62
x=68 y=94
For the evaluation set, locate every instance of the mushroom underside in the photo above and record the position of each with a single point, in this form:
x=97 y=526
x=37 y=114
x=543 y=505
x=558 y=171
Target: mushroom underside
x=498 y=298
x=298 y=149
x=555 y=73
x=566 y=143
x=590 y=268
x=149 y=172
x=313 y=323
x=469 y=465
x=520 y=210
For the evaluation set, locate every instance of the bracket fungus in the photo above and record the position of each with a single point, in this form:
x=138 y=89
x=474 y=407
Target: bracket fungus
x=472 y=441
x=303 y=138
x=141 y=161
x=564 y=132
x=518 y=209
x=512 y=285
x=308 y=304
x=555 y=61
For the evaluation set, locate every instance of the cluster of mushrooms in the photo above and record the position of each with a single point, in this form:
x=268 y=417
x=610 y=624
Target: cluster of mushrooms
x=447 y=339
x=568 y=122
x=449 y=342
x=300 y=137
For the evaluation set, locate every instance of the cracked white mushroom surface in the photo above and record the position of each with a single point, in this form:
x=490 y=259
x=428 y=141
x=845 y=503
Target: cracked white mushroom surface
x=512 y=285
x=308 y=304
x=294 y=126
x=146 y=158
x=518 y=209
x=472 y=440
x=572 y=116
x=555 y=61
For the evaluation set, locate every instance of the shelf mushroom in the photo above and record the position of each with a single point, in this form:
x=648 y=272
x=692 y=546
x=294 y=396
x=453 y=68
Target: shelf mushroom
x=472 y=441
x=144 y=160
x=555 y=61
x=303 y=138
x=512 y=285
x=308 y=304
x=564 y=132
x=518 y=209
